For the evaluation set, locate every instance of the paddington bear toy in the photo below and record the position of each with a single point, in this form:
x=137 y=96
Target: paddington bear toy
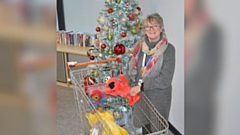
x=97 y=100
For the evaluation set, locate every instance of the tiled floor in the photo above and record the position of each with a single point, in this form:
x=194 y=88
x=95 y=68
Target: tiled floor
x=67 y=119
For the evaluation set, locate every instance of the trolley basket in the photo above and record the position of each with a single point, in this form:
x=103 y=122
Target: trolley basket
x=140 y=119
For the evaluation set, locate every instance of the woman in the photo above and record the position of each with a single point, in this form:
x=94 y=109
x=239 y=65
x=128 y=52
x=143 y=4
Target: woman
x=151 y=65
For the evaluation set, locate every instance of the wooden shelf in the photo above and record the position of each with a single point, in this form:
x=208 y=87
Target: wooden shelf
x=72 y=49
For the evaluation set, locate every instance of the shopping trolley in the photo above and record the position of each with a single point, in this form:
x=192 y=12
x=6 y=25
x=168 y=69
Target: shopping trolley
x=132 y=119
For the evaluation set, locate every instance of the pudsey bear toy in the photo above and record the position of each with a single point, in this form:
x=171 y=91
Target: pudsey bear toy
x=121 y=87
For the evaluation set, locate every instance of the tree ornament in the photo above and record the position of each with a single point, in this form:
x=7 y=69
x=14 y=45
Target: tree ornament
x=124 y=19
x=137 y=12
x=105 y=28
x=110 y=52
x=91 y=80
x=89 y=53
x=120 y=12
x=100 y=55
x=98 y=29
x=117 y=114
x=101 y=20
x=117 y=1
x=85 y=83
x=92 y=57
x=126 y=2
x=131 y=16
x=119 y=49
x=96 y=73
x=103 y=46
x=113 y=22
x=92 y=51
x=124 y=34
x=110 y=10
x=134 y=31
x=138 y=8
x=140 y=25
x=109 y=36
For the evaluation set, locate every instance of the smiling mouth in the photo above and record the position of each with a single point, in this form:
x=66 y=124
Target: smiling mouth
x=152 y=32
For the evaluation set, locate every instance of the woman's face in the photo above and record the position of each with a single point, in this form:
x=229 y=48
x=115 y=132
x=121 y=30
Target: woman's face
x=153 y=30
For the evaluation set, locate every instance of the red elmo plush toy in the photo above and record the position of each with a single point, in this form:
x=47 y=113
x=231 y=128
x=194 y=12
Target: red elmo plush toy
x=121 y=87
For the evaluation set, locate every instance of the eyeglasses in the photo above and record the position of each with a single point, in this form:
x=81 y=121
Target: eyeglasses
x=153 y=27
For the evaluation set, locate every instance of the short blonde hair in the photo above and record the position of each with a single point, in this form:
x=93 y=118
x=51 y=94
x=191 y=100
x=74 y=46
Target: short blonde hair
x=154 y=17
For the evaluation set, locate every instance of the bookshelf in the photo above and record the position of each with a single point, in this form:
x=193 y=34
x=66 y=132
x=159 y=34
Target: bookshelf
x=67 y=50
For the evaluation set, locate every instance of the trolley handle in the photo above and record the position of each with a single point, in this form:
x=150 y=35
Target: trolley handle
x=75 y=64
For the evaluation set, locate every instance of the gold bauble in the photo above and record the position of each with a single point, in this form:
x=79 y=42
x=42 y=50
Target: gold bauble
x=89 y=53
x=109 y=36
x=96 y=73
x=134 y=31
x=110 y=52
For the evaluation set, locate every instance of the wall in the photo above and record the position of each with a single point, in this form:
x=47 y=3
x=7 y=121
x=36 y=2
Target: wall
x=80 y=15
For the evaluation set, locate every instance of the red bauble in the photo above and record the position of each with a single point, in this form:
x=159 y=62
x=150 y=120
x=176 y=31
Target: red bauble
x=138 y=8
x=110 y=10
x=124 y=34
x=131 y=16
x=98 y=29
x=103 y=46
x=85 y=85
x=91 y=57
x=119 y=49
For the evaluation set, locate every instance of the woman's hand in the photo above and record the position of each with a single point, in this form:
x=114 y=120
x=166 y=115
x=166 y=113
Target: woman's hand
x=134 y=90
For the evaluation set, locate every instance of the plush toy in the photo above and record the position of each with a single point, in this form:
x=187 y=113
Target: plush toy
x=97 y=100
x=121 y=88
x=109 y=123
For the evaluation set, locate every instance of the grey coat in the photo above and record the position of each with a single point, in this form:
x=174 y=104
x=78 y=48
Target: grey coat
x=158 y=87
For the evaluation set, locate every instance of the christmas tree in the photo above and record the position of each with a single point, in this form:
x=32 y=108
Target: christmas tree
x=119 y=28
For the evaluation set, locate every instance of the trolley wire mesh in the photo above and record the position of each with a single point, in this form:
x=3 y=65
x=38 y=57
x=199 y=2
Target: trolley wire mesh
x=147 y=120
